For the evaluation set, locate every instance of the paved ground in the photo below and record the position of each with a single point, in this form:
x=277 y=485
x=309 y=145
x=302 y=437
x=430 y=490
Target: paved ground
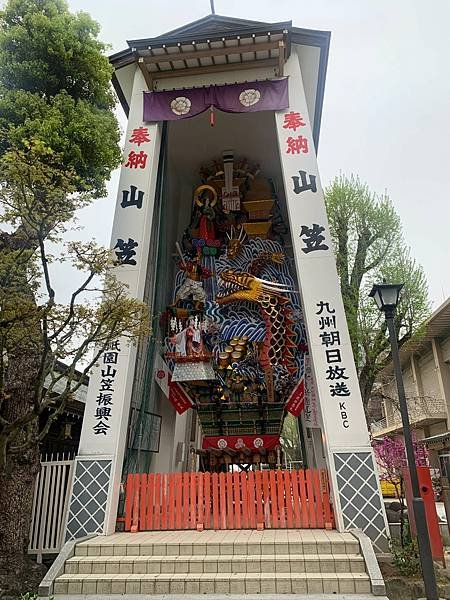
x=223 y=597
x=227 y=536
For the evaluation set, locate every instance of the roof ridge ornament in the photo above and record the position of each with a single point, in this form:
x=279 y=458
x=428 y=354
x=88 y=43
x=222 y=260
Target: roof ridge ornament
x=213 y=9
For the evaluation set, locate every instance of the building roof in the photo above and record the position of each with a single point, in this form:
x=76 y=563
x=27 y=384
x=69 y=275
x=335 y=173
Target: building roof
x=439 y=322
x=436 y=326
x=212 y=26
x=442 y=440
x=79 y=397
x=217 y=24
x=217 y=42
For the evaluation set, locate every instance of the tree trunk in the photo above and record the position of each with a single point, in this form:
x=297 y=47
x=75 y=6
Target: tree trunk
x=16 y=499
x=366 y=382
x=17 y=479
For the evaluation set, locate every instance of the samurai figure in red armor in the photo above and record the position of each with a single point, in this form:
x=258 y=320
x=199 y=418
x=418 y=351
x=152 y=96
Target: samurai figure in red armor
x=192 y=287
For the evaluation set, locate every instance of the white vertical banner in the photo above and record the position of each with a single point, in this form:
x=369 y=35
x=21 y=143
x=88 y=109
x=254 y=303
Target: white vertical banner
x=333 y=368
x=130 y=244
x=311 y=410
x=104 y=432
x=328 y=338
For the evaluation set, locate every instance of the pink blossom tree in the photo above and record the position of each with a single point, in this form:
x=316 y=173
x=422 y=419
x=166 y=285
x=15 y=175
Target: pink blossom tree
x=390 y=454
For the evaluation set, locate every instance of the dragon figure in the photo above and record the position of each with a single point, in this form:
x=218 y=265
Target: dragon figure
x=274 y=306
x=261 y=261
x=236 y=238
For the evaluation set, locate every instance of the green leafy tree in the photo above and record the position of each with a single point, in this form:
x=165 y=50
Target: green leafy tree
x=59 y=144
x=369 y=248
x=290 y=440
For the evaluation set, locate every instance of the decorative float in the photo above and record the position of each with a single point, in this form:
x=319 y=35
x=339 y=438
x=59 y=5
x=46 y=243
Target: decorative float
x=235 y=342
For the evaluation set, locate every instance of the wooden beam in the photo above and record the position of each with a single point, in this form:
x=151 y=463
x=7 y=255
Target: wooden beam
x=253 y=64
x=227 y=60
x=230 y=451
x=281 y=59
x=146 y=73
x=212 y=451
x=184 y=62
x=169 y=60
x=225 y=51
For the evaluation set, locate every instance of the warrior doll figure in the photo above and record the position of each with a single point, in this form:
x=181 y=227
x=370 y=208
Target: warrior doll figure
x=188 y=342
x=205 y=198
x=192 y=285
x=206 y=227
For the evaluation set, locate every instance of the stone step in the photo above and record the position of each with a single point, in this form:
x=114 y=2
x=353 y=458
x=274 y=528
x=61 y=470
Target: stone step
x=210 y=583
x=267 y=563
x=342 y=546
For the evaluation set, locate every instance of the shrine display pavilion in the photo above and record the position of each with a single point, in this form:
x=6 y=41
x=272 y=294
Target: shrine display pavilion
x=220 y=227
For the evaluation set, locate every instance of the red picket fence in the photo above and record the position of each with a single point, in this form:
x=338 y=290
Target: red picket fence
x=239 y=500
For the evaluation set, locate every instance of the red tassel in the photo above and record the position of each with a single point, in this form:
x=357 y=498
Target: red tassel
x=211 y=116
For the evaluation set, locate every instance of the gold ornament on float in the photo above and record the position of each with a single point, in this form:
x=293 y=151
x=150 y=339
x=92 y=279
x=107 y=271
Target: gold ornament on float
x=200 y=190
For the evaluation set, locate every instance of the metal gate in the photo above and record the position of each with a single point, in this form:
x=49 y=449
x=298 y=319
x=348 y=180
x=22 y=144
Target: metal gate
x=50 y=504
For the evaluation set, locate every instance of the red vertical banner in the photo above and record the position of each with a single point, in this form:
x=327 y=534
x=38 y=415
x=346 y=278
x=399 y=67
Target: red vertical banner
x=296 y=401
x=179 y=398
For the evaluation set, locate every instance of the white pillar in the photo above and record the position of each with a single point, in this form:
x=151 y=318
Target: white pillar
x=355 y=487
x=98 y=467
x=443 y=375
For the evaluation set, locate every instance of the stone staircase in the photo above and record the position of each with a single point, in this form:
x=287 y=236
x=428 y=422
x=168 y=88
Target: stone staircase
x=217 y=562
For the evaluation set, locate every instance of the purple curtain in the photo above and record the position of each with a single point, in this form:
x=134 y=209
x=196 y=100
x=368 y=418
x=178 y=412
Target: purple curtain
x=239 y=97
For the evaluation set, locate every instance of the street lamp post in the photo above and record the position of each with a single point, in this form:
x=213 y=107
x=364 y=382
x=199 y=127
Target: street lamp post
x=386 y=297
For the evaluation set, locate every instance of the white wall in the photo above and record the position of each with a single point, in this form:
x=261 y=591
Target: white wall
x=445 y=346
x=428 y=375
x=162 y=460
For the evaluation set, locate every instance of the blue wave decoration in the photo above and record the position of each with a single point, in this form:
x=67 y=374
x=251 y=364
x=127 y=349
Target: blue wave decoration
x=245 y=318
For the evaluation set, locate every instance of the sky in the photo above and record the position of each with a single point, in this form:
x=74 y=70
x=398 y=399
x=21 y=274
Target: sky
x=386 y=114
